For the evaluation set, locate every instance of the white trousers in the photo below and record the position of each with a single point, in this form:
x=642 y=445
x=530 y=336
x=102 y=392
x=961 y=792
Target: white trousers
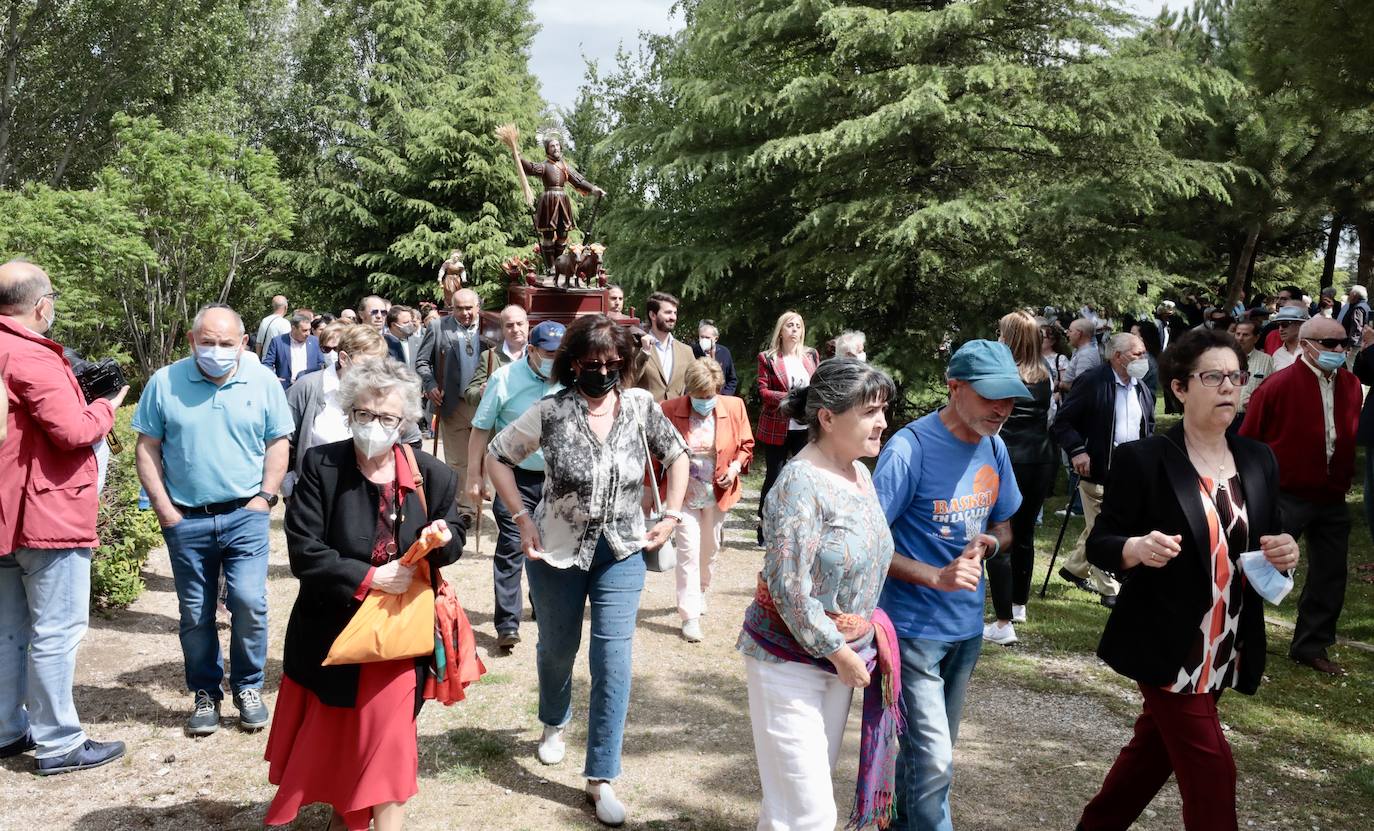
x=798 y=713
x=698 y=540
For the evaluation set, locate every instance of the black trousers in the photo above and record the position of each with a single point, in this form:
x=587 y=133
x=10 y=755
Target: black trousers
x=775 y=457
x=1009 y=573
x=1327 y=528
x=508 y=564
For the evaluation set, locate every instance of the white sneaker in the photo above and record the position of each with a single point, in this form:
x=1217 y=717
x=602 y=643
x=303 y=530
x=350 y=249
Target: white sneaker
x=609 y=810
x=999 y=633
x=1018 y=613
x=551 y=747
x=691 y=630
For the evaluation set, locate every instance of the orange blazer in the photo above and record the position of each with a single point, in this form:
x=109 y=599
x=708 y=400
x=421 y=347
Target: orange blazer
x=734 y=440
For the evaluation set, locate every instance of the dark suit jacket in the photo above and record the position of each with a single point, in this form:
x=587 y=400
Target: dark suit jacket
x=278 y=357
x=1154 y=487
x=393 y=347
x=1086 y=421
x=331 y=525
x=727 y=366
x=1364 y=370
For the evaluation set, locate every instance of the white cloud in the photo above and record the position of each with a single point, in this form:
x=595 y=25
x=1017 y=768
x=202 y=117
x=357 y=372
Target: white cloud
x=573 y=32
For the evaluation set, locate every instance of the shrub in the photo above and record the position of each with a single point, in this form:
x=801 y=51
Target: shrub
x=127 y=534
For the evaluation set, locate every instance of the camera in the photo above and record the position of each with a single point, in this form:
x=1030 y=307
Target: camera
x=100 y=380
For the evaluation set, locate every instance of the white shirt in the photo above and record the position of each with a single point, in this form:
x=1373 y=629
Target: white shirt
x=270 y=327
x=514 y=356
x=1284 y=359
x=664 y=348
x=331 y=424
x=797 y=376
x=297 y=358
x=1260 y=365
x=1126 y=420
x=1327 y=385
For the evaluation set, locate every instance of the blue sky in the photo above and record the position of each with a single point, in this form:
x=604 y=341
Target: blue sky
x=574 y=31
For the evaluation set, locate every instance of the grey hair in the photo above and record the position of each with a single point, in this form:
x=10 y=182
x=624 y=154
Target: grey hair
x=707 y=323
x=848 y=343
x=379 y=377
x=297 y=319
x=838 y=385
x=200 y=316
x=1360 y=292
x=1122 y=342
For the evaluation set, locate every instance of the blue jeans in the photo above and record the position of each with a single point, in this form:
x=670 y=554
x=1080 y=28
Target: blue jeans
x=199 y=547
x=44 y=606
x=559 y=597
x=934 y=679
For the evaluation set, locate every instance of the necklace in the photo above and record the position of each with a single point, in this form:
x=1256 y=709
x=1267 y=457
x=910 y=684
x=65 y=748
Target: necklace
x=605 y=411
x=1219 y=466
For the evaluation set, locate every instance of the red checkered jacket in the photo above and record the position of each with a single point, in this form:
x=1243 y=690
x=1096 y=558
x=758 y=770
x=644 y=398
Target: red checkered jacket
x=773 y=386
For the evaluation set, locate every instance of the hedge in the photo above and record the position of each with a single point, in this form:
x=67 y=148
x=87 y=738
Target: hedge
x=127 y=533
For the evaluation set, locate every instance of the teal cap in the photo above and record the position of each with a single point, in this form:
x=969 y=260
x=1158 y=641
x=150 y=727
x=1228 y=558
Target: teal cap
x=988 y=367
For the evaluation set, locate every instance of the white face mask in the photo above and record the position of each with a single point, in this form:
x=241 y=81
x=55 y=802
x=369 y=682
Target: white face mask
x=861 y=356
x=372 y=440
x=706 y=344
x=1138 y=368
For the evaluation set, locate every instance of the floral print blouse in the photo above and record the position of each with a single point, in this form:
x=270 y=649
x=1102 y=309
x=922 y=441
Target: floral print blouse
x=828 y=549
x=591 y=488
x=701 y=475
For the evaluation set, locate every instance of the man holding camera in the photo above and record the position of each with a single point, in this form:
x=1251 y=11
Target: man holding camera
x=47 y=530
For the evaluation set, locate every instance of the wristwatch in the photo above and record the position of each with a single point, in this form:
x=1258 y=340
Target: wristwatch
x=270 y=498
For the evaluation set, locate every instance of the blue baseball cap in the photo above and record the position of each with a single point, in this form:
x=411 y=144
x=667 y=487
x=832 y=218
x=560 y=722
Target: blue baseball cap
x=988 y=367
x=547 y=335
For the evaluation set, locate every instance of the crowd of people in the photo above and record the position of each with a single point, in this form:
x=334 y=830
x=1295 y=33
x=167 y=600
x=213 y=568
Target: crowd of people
x=599 y=444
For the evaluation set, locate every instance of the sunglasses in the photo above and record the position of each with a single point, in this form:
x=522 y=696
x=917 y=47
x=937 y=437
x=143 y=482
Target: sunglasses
x=1213 y=377
x=376 y=312
x=1333 y=343
x=598 y=366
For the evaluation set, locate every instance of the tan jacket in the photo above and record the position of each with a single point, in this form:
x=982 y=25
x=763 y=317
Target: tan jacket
x=651 y=372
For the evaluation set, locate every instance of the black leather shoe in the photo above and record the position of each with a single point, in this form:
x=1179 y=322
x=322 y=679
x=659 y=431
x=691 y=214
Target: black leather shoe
x=91 y=754
x=23 y=744
x=1080 y=582
x=506 y=641
x=1108 y=600
x=1323 y=665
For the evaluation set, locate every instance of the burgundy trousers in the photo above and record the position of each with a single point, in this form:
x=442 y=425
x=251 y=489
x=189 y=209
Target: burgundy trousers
x=1179 y=734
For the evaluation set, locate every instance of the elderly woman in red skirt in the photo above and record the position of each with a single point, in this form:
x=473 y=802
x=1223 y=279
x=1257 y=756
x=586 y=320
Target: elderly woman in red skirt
x=345 y=734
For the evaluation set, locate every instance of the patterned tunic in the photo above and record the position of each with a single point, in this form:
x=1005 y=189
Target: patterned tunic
x=701 y=480
x=591 y=488
x=1213 y=659
x=828 y=551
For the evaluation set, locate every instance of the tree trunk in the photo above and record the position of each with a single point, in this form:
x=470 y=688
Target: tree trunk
x=1247 y=255
x=1365 y=265
x=1333 y=244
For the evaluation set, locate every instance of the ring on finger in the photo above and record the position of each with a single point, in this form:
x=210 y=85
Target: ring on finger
x=1154 y=556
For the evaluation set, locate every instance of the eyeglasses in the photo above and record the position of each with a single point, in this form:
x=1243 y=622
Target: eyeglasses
x=597 y=366
x=53 y=294
x=376 y=312
x=1213 y=377
x=367 y=417
x=1333 y=343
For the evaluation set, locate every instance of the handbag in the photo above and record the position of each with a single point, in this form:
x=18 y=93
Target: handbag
x=663 y=558
x=391 y=626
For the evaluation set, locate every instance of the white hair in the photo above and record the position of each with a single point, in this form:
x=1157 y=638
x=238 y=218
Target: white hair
x=850 y=343
x=379 y=377
x=1122 y=342
x=1360 y=292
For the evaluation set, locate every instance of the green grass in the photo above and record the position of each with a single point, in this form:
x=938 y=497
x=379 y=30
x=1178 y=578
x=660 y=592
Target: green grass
x=466 y=754
x=1301 y=723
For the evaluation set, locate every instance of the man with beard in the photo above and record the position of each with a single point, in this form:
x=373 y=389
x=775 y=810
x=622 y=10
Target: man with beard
x=663 y=370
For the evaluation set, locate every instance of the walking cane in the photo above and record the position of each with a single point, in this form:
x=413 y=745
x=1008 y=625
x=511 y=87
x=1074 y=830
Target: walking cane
x=1068 y=511
x=477 y=544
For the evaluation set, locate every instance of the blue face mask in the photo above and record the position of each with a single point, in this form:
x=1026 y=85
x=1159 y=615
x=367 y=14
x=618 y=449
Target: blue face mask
x=217 y=361
x=1330 y=361
x=704 y=406
x=1270 y=583
x=546 y=367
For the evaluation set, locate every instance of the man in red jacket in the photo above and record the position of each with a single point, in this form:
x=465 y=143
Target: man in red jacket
x=48 y=506
x=1308 y=415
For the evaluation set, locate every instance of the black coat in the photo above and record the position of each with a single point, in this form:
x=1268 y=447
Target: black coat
x=1086 y=421
x=1364 y=370
x=727 y=366
x=1154 y=487
x=331 y=525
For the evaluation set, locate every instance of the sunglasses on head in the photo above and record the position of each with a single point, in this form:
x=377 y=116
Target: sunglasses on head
x=1333 y=343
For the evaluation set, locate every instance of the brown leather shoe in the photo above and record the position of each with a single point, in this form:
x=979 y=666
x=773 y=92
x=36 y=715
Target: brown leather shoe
x=1322 y=665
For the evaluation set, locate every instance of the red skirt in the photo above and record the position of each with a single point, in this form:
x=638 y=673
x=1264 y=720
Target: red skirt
x=349 y=757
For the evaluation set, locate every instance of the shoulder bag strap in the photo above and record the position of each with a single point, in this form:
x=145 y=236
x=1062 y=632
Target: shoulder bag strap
x=648 y=461
x=419 y=480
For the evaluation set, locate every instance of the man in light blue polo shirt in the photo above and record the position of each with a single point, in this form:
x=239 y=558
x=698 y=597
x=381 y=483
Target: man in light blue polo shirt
x=212 y=451
x=512 y=390
x=946 y=485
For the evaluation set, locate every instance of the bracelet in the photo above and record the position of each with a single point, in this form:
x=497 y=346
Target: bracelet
x=996 y=549
x=522 y=512
x=675 y=516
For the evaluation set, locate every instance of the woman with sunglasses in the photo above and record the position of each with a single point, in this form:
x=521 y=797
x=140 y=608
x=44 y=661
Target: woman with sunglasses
x=314 y=398
x=345 y=734
x=1179 y=511
x=584 y=539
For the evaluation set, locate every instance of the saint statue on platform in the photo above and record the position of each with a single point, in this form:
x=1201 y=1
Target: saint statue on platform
x=553 y=217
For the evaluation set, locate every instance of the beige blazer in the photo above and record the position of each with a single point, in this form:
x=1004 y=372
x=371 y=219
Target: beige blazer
x=651 y=376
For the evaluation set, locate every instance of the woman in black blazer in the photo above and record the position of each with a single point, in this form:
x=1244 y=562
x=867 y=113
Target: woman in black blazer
x=1179 y=510
x=345 y=734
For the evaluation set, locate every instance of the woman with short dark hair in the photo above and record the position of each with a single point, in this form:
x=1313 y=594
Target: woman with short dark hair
x=1179 y=511
x=585 y=538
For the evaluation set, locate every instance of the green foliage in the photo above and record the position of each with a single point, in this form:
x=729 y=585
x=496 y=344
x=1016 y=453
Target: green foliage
x=126 y=533
x=915 y=170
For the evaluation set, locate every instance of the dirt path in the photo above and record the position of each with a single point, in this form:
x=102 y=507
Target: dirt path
x=1026 y=760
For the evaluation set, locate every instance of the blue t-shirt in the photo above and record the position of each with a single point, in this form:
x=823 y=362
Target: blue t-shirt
x=939 y=492
x=214 y=438
x=511 y=391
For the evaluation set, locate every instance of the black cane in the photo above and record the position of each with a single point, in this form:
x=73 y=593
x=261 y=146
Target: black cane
x=1068 y=511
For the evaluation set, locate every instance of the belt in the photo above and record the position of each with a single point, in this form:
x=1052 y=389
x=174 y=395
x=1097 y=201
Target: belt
x=215 y=508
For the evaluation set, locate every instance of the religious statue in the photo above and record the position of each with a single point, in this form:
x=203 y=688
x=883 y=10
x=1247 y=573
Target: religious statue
x=553 y=218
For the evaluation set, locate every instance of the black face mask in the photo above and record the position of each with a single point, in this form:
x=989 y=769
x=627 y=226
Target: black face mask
x=594 y=384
